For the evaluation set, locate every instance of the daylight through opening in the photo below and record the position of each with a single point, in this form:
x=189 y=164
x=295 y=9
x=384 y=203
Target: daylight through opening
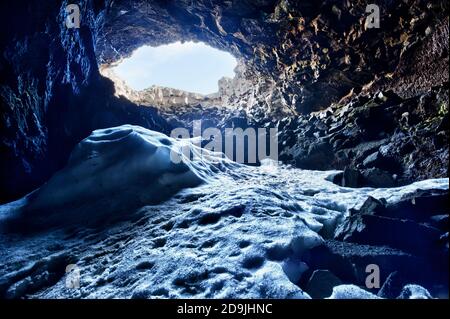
x=190 y=66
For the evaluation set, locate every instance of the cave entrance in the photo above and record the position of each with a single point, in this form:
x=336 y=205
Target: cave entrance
x=191 y=67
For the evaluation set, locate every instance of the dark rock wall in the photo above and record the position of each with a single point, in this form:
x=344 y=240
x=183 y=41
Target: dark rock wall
x=51 y=93
x=379 y=140
x=423 y=65
x=309 y=53
x=297 y=57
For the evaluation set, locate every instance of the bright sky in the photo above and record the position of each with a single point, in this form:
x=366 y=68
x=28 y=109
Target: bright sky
x=189 y=66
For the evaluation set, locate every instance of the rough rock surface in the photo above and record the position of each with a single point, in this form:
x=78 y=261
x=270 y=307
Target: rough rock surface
x=111 y=171
x=295 y=57
x=372 y=103
x=51 y=92
x=308 y=53
x=255 y=232
x=382 y=140
x=161 y=97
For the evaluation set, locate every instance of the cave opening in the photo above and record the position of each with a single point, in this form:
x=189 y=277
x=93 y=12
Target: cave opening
x=93 y=177
x=188 y=67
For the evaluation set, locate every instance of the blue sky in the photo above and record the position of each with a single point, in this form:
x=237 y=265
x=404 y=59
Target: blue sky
x=189 y=66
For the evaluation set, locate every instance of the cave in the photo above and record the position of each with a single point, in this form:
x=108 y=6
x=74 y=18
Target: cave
x=353 y=173
x=189 y=66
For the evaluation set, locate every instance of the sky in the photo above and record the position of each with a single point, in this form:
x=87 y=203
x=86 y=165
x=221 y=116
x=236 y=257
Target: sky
x=189 y=66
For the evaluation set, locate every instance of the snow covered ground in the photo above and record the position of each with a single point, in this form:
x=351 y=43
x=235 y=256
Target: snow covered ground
x=202 y=229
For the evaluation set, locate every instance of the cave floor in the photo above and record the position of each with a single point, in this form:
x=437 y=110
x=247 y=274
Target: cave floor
x=245 y=234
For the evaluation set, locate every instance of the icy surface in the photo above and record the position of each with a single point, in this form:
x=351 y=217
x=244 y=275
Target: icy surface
x=351 y=292
x=240 y=233
x=414 y=292
x=117 y=169
x=355 y=292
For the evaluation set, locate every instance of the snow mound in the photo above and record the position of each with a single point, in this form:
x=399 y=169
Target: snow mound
x=117 y=169
x=414 y=292
x=351 y=292
x=355 y=292
x=247 y=232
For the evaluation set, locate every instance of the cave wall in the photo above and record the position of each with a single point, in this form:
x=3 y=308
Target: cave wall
x=296 y=57
x=51 y=92
x=300 y=55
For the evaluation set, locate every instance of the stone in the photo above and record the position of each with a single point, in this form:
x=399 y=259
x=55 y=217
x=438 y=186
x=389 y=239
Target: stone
x=351 y=178
x=402 y=234
x=372 y=160
x=319 y=156
x=419 y=206
x=375 y=177
x=440 y=221
x=370 y=206
x=321 y=284
x=348 y=261
x=392 y=286
x=335 y=178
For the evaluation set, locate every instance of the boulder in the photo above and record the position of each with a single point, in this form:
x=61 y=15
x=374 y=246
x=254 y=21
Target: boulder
x=439 y=221
x=397 y=233
x=414 y=292
x=375 y=177
x=351 y=178
x=320 y=155
x=392 y=286
x=348 y=261
x=321 y=284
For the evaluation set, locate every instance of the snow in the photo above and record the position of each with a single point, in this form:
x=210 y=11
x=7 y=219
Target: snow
x=351 y=292
x=355 y=292
x=414 y=292
x=117 y=169
x=203 y=228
